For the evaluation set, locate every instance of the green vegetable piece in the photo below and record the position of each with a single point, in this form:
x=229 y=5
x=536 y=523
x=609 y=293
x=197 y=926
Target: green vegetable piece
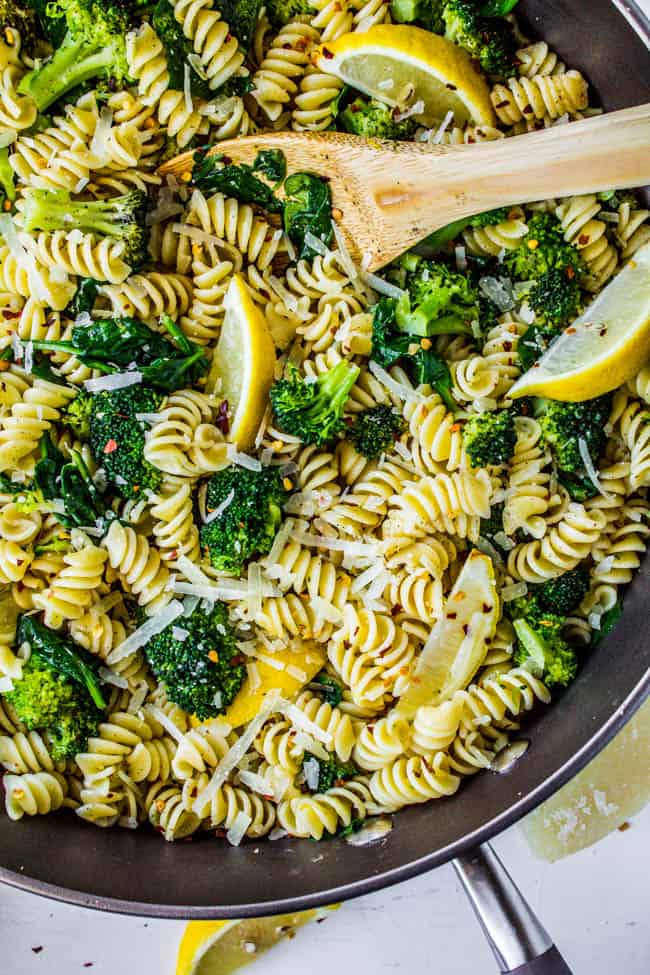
x=436 y=299
x=45 y=700
x=564 y=594
x=203 y=672
x=212 y=175
x=328 y=688
x=61 y=655
x=84 y=298
x=313 y=411
x=7 y=188
x=374 y=430
x=94 y=46
x=608 y=621
x=374 y=120
x=490 y=438
x=117 y=438
x=250 y=513
x=565 y=425
x=241 y=17
x=498 y=8
x=280 y=12
x=491 y=42
x=307 y=209
x=272 y=163
x=332 y=771
x=122 y=217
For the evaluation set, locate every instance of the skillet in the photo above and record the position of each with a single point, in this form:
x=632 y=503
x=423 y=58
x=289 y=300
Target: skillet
x=136 y=873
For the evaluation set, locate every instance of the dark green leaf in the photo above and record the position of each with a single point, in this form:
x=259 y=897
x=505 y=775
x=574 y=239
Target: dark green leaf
x=48 y=468
x=84 y=298
x=272 y=163
x=7 y=189
x=7 y=486
x=241 y=17
x=330 y=689
x=307 y=209
x=210 y=175
x=120 y=341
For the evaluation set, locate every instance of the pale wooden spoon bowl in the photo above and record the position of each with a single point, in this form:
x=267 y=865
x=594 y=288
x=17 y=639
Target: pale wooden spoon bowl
x=389 y=195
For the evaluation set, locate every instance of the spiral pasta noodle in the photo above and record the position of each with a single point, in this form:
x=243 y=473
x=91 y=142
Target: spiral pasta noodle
x=539 y=97
x=284 y=63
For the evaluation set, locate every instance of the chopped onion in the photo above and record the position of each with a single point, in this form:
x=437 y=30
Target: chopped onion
x=162 y=211
x=197 y=64
x=180 y=633
x=514 y=591
x=594 y=620
x=116 y=380
x=6 y=685
x=242 y=460
x=306 y=743
x=237 y=831
x=277 y=833
x=461 y=257
x=316 y=244
x=381 y=286
x=221 y=507
x=526 y=314
x=401 y=390
x=253 y=676
x=233 y=757
x=155 y=624
x=589 y=464
x=485 y=545
x=370 y=832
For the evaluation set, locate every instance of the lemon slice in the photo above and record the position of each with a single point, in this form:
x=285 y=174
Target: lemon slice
x=244 y=361
x=457 y=644
x=222 y=947
x=604 y=347
x=443 y=76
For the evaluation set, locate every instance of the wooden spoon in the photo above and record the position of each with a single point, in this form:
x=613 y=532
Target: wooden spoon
x=387 y=196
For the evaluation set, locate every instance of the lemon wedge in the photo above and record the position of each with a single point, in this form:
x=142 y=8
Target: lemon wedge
x=293 y=669
x=601 y=349
x=222 y=947
x=442 y=75
x=244 y=362
x=457 y=644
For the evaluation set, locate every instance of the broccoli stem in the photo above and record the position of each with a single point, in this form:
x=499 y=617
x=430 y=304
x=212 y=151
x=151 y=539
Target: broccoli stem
x=70 y=66
x=534 y=646
x=335 y=386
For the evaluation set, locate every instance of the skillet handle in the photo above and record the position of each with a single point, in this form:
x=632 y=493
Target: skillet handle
x=515 y=934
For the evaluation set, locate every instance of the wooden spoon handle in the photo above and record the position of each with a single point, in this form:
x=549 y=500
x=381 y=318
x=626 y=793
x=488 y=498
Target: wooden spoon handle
x=589 y=156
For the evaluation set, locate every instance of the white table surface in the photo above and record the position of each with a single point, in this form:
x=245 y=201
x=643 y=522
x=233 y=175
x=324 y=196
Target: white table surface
x=596 y=904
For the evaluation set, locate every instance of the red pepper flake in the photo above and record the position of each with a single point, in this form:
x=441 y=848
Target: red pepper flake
x=327 y=54
x=213 y=656
x=222 y=420
x=8 y=315
x=111 y=447
x=452 y=616
x=37 y=950
x=570 y=273
x=451 y=87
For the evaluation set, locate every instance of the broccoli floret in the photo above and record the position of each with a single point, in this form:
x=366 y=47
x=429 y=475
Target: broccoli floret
x=313 y=411
x=122 y=217
x=374 y=120
x=426 y=13
x=436 y=299
x=374 y=430
x=77 y=415
x=117 y=438
x=489 y=438
x=94 y=46
x=241 y=17
x=203 y=672
x=250 y=515
x=48 y=702
x=541 y=250
x=565 y=425
x=563 y=594
x=555 y=297
x=540 y=644
x=491 y=42
x=331 y=771
x=280 y=12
